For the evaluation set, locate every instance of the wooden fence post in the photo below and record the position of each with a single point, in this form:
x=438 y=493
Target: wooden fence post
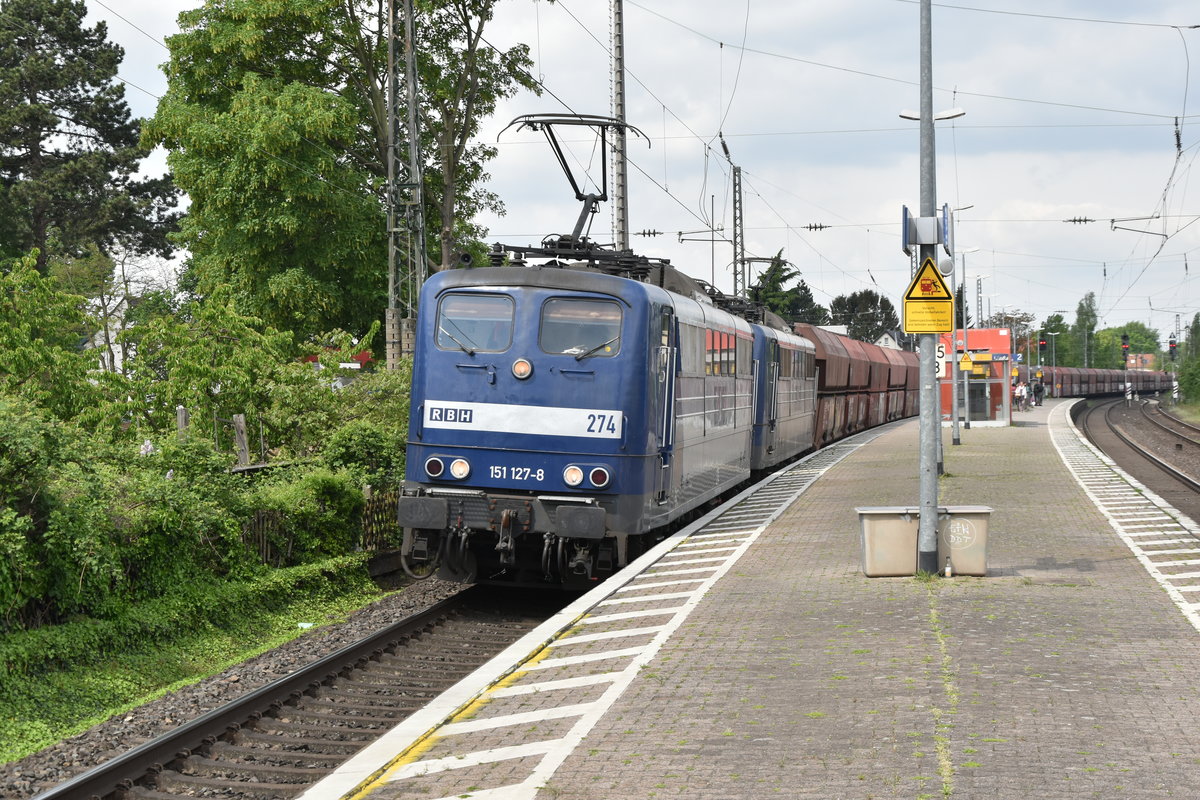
x=239 y=436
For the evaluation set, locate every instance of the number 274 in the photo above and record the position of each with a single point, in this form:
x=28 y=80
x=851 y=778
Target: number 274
x=601 y=423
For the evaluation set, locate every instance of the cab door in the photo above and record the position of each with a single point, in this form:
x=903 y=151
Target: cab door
x=771 y=401
x=666 y=355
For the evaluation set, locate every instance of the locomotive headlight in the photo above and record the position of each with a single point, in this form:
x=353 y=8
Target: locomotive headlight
x=434 y=467
x=460 y=468
x=599 y=477
x=573 y=475
x=522 y=369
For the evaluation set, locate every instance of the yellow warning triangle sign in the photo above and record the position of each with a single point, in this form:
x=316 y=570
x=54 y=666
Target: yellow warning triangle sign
x=928 y=284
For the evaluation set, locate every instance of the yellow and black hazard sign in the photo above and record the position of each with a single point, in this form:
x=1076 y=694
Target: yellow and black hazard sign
x=928 y=303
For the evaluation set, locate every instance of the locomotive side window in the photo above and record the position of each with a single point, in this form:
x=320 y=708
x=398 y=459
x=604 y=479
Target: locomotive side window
x=691 y=349
x=475 y=322
x=582 y=328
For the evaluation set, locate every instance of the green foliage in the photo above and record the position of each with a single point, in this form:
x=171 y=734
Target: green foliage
x=462 y=78
x=41 y=704
x=278 y=213
x=191 y=606
x=40 y=356
x=1079 y=349
x=29 y=445
x=208 y=358
x=1189 y=379
x=68 y=176
x=370 y=450
x=119 y=526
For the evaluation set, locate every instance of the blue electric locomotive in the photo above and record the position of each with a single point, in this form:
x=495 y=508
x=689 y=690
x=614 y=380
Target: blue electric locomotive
x=563 y=416
x=785 y=397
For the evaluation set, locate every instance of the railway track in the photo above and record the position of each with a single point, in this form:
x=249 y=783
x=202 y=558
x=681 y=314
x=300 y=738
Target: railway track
x=1184 y=431
x=278 y=740
x=1147 y=445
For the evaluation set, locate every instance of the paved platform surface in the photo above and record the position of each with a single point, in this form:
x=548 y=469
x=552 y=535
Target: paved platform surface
x=1068 y=671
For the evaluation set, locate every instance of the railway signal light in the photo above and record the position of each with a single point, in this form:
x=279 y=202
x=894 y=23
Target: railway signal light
x=1041 y=345
x=1125 y=342
x=1171 y=347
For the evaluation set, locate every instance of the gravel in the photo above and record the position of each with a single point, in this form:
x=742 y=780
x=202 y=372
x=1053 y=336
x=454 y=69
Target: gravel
x=58 y=763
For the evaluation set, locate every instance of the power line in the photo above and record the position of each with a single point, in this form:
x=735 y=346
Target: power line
x=877 y=76
x=1055 y=16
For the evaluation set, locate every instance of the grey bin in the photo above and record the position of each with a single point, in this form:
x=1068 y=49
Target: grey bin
x=889 y=539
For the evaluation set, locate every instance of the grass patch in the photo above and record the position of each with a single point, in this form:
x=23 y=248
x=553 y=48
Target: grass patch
x=41 y=706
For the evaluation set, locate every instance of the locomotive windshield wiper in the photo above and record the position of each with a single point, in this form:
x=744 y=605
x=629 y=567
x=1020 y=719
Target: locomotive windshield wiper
x=587 y=353
x=469 y=351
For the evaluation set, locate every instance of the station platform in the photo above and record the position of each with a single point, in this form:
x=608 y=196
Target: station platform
x=753 y=659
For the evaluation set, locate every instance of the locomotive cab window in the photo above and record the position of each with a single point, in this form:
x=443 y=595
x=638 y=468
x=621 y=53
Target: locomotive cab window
x=579 y=327
x=475 y=322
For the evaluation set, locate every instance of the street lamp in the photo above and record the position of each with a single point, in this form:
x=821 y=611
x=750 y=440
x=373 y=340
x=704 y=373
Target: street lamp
x=950 y=113
x=1053 y=347
x=966 y=377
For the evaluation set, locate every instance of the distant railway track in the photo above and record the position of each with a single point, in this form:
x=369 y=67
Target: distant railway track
x=1166 y=421
x=1145 y=444
x=276 y=741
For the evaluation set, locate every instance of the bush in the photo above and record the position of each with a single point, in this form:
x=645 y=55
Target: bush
x=90 y=526
x=319 y=513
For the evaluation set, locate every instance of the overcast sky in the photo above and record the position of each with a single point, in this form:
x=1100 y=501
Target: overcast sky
x=1071 y=113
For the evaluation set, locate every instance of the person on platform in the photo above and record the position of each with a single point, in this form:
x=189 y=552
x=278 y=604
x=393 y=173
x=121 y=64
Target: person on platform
x=1038 y=391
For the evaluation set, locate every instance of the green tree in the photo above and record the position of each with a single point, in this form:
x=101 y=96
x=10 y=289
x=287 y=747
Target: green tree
x=1055 y=331
x=462 y=78
x=867 y=315
x=69 y=152
x=1082 y=345
x=962 y=309
x=276 y=121
x=795 y=304
x=1190 y=346
x=1142 y=340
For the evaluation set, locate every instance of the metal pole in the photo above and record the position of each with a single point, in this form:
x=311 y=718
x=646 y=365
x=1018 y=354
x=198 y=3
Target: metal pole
x=417 y=258
x=391 y=322
x=619 y=166
x=930 y=413
x=955 y=438
x=966 y=349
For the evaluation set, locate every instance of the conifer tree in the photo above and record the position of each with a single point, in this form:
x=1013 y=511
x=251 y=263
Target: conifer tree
x=69 y=151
